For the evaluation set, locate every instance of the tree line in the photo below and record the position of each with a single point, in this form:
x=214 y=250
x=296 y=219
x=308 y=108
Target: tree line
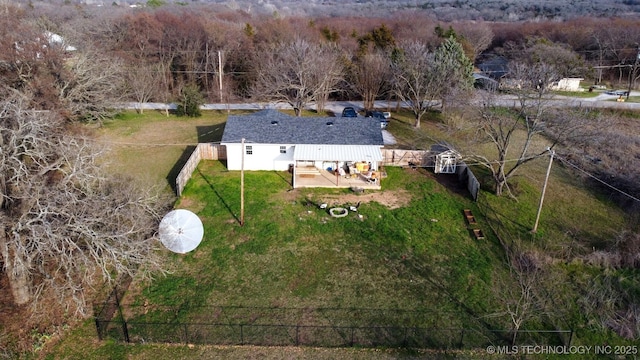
x=150 y=54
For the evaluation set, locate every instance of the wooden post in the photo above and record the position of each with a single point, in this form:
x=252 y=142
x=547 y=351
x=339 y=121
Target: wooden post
x=242 y=186
x=544 y=188
x=293 y=174
x=632 y=73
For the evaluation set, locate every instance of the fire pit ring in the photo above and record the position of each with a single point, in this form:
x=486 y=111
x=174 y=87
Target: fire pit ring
x=338 y=212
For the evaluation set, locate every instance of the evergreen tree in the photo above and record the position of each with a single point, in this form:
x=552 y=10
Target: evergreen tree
x=454 y=69
x=190 y=101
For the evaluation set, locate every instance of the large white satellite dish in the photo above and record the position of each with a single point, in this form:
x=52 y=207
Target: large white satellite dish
x=181 y=231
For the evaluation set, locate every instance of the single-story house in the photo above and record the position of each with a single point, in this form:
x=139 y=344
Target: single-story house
x=277 y=141
x=568 y=84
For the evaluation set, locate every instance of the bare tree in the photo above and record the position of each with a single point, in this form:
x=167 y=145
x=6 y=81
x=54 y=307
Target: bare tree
x=500 y=126
x=528 y=131
x=424 y=79
x=63 y=224
x=297 y=73
x=141 y=81
x=414 y=82
x=519 y=292
x=370 y=76
x=28 y=62
x=94 y=85
x=329 y=73
x=478 y=36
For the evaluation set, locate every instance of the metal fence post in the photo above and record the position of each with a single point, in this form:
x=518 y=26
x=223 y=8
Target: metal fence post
x=297 y=335
x=125 y=331
x=241 y=336
x=98 y=328
x=404 y=340
x=352 y=331
x=570 y=337
x=186 y=336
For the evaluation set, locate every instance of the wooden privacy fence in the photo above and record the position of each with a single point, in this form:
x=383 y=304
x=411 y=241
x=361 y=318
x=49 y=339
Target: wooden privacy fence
x=204 y=151
x=390 y=157
x=465 y=175
x=424 y=158
x=397 y=157
x=210 y=151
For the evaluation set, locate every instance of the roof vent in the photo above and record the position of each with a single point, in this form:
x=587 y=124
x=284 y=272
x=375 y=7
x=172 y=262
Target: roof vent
x=274 y=122
x=330 y=123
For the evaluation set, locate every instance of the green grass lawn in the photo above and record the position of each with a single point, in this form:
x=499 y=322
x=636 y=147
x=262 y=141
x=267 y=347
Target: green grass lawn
x=412 y=265
x=419 y=257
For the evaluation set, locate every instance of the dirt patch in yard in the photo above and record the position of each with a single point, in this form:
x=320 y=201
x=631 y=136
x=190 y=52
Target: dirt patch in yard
x=391 y=199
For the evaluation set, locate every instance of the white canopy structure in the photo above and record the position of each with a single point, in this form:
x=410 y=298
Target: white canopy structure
x=337 y=152
x=446 y=162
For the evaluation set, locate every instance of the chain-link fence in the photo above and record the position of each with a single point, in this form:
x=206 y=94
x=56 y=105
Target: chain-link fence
x=266 y=327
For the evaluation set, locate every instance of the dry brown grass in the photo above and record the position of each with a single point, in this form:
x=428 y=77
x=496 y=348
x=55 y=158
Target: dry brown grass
x=152 y=148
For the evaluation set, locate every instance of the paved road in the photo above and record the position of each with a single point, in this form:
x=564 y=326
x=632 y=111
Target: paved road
x=601 y=101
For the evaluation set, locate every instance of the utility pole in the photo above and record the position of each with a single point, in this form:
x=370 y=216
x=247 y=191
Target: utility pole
x=242 y=186
x=544 y=189
x=632 y=75
x=220 y=73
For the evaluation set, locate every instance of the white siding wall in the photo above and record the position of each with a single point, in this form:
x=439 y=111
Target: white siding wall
x=263 y=157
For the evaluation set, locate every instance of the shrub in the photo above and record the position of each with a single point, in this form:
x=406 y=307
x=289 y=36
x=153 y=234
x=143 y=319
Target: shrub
x=190 y=101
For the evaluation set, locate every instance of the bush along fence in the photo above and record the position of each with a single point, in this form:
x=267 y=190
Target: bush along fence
x=269 y=327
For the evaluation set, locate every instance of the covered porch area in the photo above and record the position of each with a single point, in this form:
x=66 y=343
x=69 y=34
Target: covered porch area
x=338 y=166
x=324 y=178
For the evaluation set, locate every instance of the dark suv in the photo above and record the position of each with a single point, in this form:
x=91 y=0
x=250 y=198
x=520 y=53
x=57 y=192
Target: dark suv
x=349 y=112
x=378 y=115
x=374 y=114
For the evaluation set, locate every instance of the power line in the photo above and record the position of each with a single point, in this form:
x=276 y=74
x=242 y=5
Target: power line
x=565 y=161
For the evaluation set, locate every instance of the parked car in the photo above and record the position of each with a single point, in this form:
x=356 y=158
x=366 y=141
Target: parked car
x=618 y=93
x=349 y=112
x=384 y=122
x=374 y=114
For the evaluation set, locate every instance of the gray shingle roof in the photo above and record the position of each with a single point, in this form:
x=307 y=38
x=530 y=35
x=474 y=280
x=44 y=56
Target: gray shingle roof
x=274 y=127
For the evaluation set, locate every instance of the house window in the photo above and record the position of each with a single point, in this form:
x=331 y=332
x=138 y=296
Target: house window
x=283 y=149
x=249 y=149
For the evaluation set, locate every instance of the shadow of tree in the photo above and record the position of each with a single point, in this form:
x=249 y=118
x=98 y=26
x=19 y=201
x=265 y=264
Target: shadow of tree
x=210 y=133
